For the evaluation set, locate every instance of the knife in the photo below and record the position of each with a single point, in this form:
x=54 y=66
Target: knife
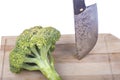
x=86 y=27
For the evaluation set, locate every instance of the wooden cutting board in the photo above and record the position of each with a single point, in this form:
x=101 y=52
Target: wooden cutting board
x=103 y=62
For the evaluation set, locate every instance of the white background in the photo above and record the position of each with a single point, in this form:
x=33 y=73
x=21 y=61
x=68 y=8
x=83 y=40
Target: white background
x=17 y=15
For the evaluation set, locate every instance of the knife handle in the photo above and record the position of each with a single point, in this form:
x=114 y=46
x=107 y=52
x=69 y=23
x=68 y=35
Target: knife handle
x=79 y=6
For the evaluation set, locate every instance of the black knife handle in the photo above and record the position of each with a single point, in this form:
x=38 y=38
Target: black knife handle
x=79 y=6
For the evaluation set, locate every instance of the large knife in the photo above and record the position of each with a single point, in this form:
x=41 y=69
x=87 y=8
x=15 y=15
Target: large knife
x=86 y=27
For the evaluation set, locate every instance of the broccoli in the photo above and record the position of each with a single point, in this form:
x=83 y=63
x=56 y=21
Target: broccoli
x=33 y=50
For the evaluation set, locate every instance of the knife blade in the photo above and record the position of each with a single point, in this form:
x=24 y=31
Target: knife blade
x=86 y=27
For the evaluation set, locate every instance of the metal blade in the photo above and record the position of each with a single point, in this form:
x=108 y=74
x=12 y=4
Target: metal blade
x=86 y=28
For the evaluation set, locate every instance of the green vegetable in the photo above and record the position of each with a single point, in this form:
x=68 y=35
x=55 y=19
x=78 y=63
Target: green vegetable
x=33 y=51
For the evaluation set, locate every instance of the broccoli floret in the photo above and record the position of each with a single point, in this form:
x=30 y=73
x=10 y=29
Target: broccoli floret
x=33 y=51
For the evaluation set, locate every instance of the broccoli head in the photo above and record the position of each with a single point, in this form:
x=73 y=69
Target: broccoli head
x=33 y=50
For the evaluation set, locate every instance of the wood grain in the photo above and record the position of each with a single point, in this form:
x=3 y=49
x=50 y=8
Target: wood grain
x=103 y=62
x=2 y=55
x=1 y=64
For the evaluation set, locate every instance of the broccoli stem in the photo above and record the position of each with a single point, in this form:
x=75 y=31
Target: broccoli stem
x=52 y=75
x=29 y=67
x=51 y=59
x=49 y=72
x=43 y=63
x=44 y=66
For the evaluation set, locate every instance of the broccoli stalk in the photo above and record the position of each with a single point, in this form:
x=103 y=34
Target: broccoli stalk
x=33 y=51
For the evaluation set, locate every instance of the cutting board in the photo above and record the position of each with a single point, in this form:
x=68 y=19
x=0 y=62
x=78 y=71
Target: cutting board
x=102 y=63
